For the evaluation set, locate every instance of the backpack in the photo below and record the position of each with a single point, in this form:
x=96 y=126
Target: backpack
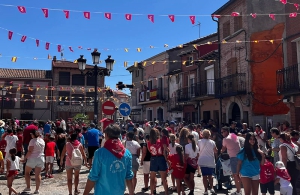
x=141 y=135
x=76 y=158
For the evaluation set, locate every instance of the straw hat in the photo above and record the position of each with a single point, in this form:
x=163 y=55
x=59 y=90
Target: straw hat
x=2 y=123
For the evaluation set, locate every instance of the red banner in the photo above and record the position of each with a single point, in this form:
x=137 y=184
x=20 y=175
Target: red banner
x=47 y=46
x=87 y=15
x=151 y=18
x=46 y=12
x=172 y=18
x=10 y=34
x=70 y=48
x=37 y=42
x=22 y=9
x=67 y=13
x=107 y=15
x=23 y=39
x=193 y=18
x=59 y=48
x=128 y=16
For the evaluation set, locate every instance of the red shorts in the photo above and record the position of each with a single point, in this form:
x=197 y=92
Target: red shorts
x=12 y=173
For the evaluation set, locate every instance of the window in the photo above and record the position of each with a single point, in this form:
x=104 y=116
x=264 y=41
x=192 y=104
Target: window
x=77 y=99
x=190 y=61
x=27 y=102
x=150 y=85
x=137 y=73
x=238 y=23
x=90 y=98
x=226 y=29
x=90 y=81
x=64 y=98
x=64 y=78
x=8 y=101
x=232 y=66
x=210 y=78
x=78 y=79
x=177 y=78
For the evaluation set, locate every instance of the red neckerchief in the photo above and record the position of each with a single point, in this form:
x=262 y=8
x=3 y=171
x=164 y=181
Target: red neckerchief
x=289 y=143
x=283 y=174
x=116 y=147
x=259 y=132
x=11 y=134
x=294 y=140
x=147 y=124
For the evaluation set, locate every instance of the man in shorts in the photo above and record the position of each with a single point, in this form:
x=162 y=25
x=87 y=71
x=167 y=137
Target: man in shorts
x=93 y=136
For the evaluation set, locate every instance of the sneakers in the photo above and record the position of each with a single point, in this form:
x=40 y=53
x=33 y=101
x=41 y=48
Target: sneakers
x=36 y=192
x=27 y=190
x=236 y=193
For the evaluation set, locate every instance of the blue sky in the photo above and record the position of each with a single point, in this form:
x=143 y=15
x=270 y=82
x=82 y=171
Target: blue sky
x=99 y=32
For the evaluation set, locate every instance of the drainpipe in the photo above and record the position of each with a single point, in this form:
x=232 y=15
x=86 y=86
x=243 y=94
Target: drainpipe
x=219 y=67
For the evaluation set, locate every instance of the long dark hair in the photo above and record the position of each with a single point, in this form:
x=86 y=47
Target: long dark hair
x=13 y=153
x=154 y=134
x=191 y=137
x=248 y=149
x=179 y=151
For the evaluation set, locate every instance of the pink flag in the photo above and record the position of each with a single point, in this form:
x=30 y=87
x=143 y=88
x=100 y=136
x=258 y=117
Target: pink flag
x=22 y=9
x=10 y=34
x=79 y=47
x=23 y=38
x=87 y=15
x=216 y=16
x=89 y=49
x=128 y=16
x=253 y=15
x=59 y=48
x=37 y=42
x=47 y=46
x=107 y=15
x=293 y=15
x=283 y=1
x=70 y=48
x=296 y=6
x=46 y=12
x=67 y=13
x=272 y=16
x=234 y=14
x=151 y=17
x=172 y=17
x=193 y=18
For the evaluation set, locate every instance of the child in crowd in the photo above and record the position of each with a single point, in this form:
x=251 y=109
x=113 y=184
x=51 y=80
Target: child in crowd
x=12 y=167
x=11 y=141
x=178 y=165
x=284 y=179
x=172 y=148
x=49 y=152
x=19 y=142
x=267 y=176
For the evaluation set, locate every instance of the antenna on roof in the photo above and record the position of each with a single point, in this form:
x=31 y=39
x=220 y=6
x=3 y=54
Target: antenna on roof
x=62 y=55
x=198 y=24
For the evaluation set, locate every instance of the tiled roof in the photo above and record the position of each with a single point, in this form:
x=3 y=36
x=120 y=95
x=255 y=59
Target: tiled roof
x=67 y=64
x=22 y=73
x=224 y=6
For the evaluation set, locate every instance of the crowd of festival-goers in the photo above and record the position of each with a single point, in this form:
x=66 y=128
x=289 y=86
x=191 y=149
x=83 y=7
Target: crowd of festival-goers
x=251 y=157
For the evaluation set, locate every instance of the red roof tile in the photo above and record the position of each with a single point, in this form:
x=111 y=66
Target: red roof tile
x=22 y=73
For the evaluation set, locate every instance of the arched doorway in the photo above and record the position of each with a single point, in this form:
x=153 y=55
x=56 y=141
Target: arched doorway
x=235 y=113
x=160 y=114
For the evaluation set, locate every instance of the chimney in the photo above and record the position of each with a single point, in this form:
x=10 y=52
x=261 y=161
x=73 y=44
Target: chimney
x=54 y=58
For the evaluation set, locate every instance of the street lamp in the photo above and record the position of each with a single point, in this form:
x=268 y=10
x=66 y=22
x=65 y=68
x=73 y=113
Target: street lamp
x=3 y=93
x=95 y=72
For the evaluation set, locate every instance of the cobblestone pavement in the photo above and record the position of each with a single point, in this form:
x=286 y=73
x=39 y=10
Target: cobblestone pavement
x=58 y=184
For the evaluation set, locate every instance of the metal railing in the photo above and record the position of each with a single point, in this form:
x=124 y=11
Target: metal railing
x=288 y=80
x=204 y=88
x=231 y=85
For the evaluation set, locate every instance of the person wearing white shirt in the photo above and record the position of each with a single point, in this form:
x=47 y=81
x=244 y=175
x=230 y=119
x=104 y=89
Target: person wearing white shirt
x=172 y=148
x=63 y=124
x=11 y=142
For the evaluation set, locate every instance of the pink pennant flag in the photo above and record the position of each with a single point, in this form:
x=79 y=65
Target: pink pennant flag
x=46 y=12
x=67 y=13
x=193 y=18
x=272 y=16
x=234 y=14
x=296 y=6
x=172 y=17
x=89 y=49
x=23 y=39
x=283 y=1
x=293 y=15
x=10 y=34
x=37 y=42
x=47 y=46
x=128 y=16
x=253 y=15
x=87 y=15
x=59 y=48
x=70 y=48
x=107 y=15
x=79 y=47
x=22 y=9
x=151 y=17
x=216 y=16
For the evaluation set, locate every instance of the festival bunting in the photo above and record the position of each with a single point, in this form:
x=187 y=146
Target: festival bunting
x=45 y=11
x=107 y=15
x=128 y=16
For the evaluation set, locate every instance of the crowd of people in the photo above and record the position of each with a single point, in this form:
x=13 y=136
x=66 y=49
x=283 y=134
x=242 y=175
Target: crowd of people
x=255 y=158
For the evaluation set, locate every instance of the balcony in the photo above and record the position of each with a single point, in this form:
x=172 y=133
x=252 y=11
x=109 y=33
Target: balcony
x=173 y=105
x=204 y=88
x=288 y=80
x=231 y=85
x=153 y=95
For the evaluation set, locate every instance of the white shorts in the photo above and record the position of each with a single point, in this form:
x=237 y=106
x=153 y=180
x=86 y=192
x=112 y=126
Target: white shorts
x=256 y=177
x=288 y=190
x=49 y=159
x=36 y=162
x=146 y=167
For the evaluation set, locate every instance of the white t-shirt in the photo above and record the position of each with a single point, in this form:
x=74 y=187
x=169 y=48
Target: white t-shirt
x=196 y=136
x=139 y=129
x=290 y=151
x=189 y=150
x=38 y=147
x=132 y=146
x=11 y=141
x=207 y=153
x=283 y=182
x=173 y=149
x=63 y=125
x=14 y=165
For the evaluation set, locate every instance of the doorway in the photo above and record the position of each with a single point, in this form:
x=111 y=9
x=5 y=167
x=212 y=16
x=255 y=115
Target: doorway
x=160 y=114
x=236 y=113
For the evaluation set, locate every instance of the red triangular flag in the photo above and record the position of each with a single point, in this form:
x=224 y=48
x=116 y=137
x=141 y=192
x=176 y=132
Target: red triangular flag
x=46 y=12
x=283 y=1
x=22 y=9
x=151 y=17
x=10 y=34
x=293 y=15
x=272 y=16
x=59 y=48
x=67 y=13
x=234 y=14
x=128 y=16
x=79 y=47
x=47 y=46
x=172 y=17
x=37 y=42
x=70 y=48
x=23 y=38
x=87 y=15
x=296 y=6
x=107 y=15
x=253 y=15
x=193 y=18
x=216 y=16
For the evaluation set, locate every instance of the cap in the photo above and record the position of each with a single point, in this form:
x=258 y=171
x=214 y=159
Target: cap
x=279 y=165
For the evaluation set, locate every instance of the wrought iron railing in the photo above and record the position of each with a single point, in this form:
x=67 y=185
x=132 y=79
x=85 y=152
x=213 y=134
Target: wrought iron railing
x=288 y=80
x=204 y=88
x=231 y=85
x=173 y=104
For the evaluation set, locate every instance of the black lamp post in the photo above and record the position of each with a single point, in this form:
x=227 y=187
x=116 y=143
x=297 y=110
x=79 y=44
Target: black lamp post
x=3 y=93
x=94 y=73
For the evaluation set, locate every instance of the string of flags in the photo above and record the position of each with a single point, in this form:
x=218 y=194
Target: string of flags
x=150 y=17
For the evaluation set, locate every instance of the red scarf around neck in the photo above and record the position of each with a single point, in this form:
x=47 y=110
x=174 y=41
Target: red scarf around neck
x=289 y=143
x=283 y=174
x=259 y=132
x=116 y=147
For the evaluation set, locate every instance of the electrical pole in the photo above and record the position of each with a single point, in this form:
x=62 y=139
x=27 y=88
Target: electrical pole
x=199 y=25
